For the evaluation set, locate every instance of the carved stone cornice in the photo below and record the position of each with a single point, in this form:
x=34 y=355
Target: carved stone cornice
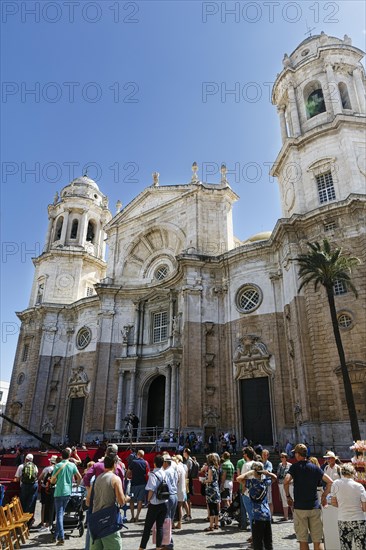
x=78 y=383
x=251 y=358
x=256 y=368
x=356 y=371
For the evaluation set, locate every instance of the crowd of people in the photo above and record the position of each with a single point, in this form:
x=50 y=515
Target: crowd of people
x=165 y=491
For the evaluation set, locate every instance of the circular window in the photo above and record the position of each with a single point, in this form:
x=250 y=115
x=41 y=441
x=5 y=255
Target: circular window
x=161 y=272
x=345 y=320
x=20 y=378
x=248 y=298
x=305 y=52
x=83 y=337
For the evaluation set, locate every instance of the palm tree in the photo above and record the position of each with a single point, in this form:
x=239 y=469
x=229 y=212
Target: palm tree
x=324 y=266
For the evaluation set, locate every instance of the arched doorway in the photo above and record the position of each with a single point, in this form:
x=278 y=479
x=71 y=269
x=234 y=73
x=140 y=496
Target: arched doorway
x=155 y=403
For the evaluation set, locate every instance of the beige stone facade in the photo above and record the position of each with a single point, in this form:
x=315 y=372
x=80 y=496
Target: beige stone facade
x=185 y=325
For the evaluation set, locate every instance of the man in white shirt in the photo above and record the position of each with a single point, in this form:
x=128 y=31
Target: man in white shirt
x=332 y=469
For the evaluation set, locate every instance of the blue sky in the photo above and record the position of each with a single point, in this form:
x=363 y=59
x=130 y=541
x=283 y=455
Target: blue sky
x=120 y=87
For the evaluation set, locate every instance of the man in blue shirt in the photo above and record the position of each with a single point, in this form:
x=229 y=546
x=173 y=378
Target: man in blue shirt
x=307 y=512
x=137 y=472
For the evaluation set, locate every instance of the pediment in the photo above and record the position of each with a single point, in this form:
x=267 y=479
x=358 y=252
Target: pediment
x=150 y=200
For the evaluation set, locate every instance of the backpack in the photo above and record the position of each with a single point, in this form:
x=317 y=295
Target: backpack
x=29 y=473
x=162 y=492
x=193 y=473
x=257 y=493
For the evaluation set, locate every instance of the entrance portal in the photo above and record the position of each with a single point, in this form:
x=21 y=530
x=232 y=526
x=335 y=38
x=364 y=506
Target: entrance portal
x=155 y=403
x=256 y=410
x=75 y=419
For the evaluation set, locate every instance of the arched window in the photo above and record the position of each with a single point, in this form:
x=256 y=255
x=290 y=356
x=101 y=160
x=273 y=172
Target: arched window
x=74 y=229
x=90 y=234
x=343 y=92
x=314 y=99
x=58 y=231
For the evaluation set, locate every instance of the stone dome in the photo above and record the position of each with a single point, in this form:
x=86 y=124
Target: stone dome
x=84 y=180
x=263 y=236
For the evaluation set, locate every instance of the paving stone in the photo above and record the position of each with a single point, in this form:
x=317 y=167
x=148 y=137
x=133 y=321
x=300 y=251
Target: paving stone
x=190 y=537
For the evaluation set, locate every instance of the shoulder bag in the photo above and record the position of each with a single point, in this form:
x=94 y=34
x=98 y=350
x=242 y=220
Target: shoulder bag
x=53 y=479
x=104 y=522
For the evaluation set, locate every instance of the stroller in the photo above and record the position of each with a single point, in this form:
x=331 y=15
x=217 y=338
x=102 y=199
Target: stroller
x=74 y=513
x=230 y=514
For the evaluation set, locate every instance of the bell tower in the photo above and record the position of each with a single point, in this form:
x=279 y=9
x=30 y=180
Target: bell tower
x=73 y=257
x=320 y=98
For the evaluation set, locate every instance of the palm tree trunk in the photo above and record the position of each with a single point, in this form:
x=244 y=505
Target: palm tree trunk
x=345 y=375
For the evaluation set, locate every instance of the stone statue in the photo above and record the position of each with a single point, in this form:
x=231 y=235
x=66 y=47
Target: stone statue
x=156 y=179
x=125 y=332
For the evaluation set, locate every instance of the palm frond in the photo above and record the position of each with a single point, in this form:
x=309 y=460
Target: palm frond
x=323 y=265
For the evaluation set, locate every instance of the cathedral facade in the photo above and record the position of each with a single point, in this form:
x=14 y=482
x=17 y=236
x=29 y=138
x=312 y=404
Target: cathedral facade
x=183 y=324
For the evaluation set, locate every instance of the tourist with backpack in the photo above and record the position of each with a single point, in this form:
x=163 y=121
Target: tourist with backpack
x=257 y=488
x=27 y=475
x=158 y=496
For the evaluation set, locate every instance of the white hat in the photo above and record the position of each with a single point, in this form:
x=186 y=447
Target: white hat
x=29 y=457
x=329 y=454
x=53 y=459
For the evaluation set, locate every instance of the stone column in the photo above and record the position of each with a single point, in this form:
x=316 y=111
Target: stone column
x=171 y=317
x=293 y=110
x=48 y=234
x=353 y=96
x=173 y=396
x=82 y=230
x=281 y=112
x=360 y=89
x=118 y=422
x=64 y=226
x=167 y=399
x=100 y=243
x=334 y=96
x=131 y=402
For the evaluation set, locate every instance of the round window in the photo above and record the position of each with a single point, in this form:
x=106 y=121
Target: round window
x=345 y=320
x=248 y=298
x=83 y=337
x=161 y=272
x=20 y=378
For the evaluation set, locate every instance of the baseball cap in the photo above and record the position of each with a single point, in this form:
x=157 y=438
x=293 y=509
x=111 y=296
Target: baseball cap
x=29 y=457
x=329 y=454
x=301 y=449
x=53 y=459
